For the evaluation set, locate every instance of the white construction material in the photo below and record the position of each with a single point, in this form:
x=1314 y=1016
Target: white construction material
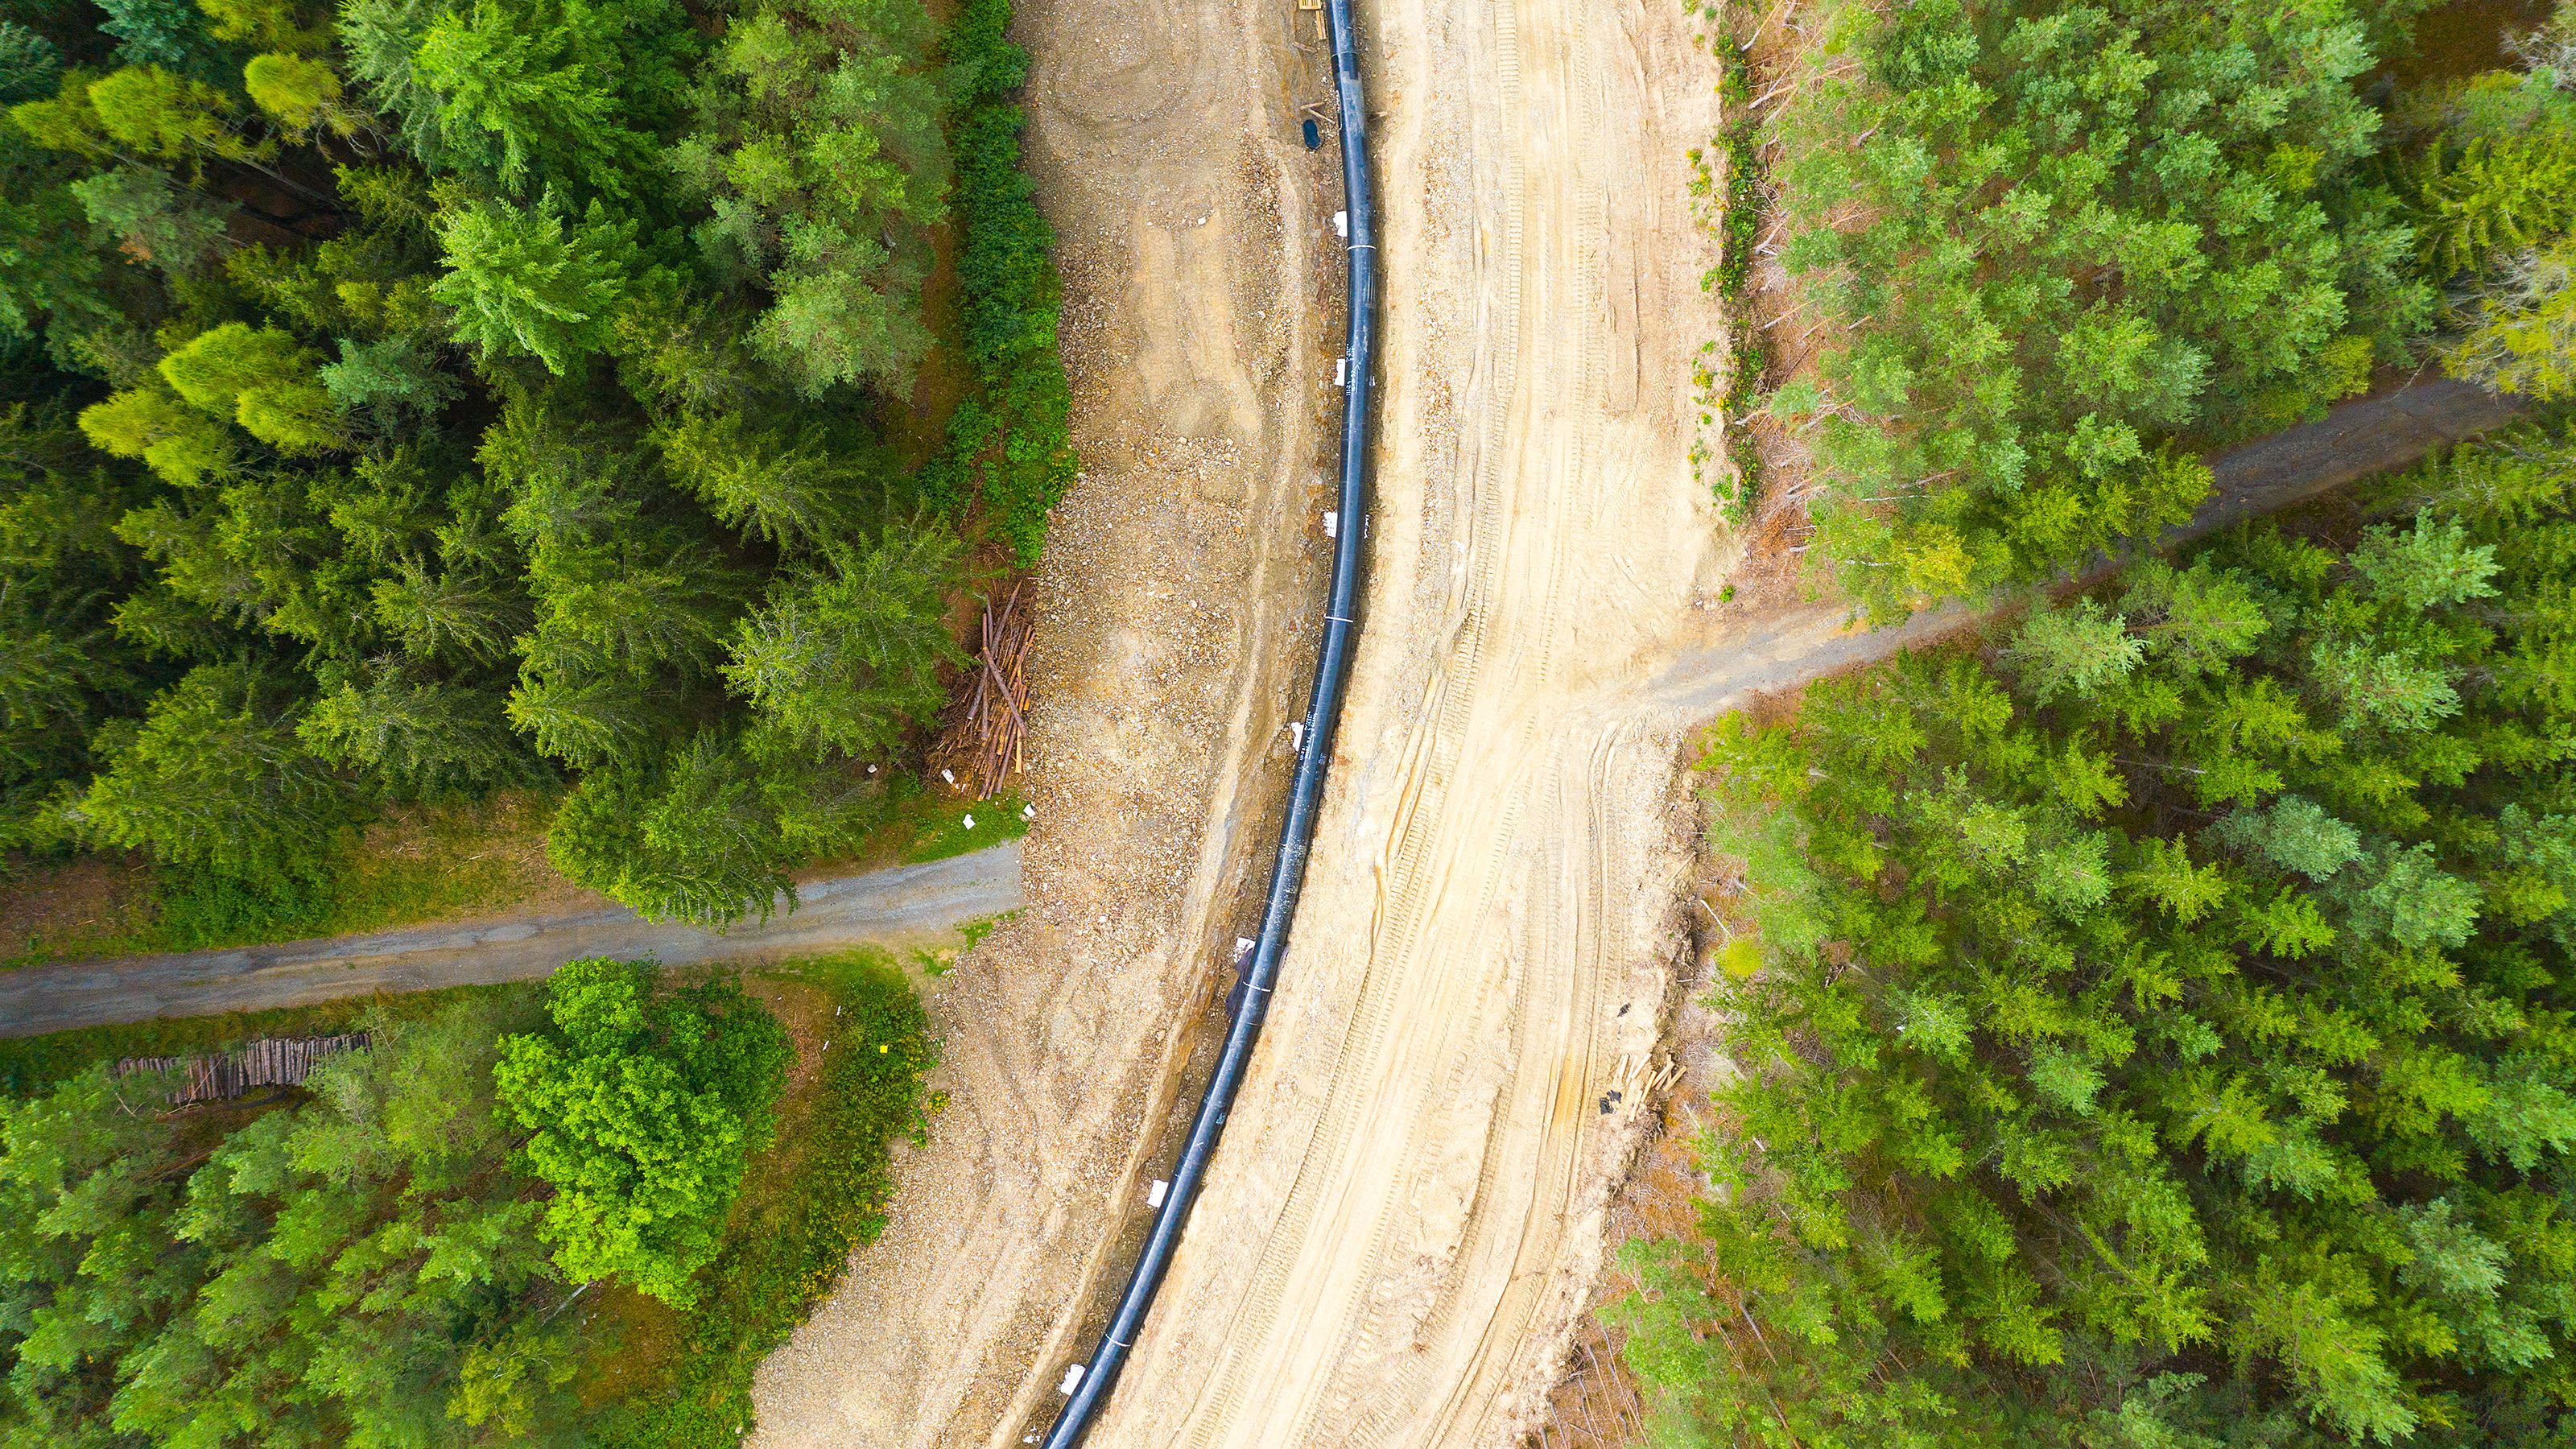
x=1341 y=372
x=1072 y=1380
x=970 y=822
x=1342 y=225
x=1156 y=1192
x=1242 y=948
x=1332 y=523
x=1296 y=735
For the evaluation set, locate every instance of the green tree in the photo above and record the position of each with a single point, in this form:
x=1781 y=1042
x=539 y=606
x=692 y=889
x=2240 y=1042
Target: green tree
x=794 y=492
x=418 y=737
x=849 y=660
x=155 y=113
x=301 y=94
x=2037 y=240
x=522 y=92
x=695 y=836
x=524 y=285
x=178 y=442
x=642 y=1111
x=154 y=221
x=342 y=1272
x=2171 y=1058
x=818 y=148
x=262 y=378
x=2076 y=651
x=215 y=776
x=30 y=65
x=46 y=267
x=2522 y=333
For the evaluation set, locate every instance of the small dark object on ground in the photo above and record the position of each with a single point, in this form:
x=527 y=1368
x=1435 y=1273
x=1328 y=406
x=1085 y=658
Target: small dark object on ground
x=1314 y=136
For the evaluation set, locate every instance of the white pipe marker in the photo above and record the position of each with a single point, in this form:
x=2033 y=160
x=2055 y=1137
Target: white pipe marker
x=1072 y=1380
x=1155 y=1193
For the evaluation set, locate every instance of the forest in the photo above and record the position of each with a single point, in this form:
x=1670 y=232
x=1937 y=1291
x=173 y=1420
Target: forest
x=2057 y=252
x=2154 y=1014
x=2158 y=1017
x=422 y=399
x=452 y=1235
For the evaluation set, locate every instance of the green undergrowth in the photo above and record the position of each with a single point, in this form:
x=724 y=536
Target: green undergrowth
x=428 y=863
x=942 y=832
x=818 y=1197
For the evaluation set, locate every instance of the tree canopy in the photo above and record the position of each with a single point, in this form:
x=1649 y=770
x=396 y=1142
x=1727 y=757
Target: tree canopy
x=2058 y=249
x=467 y=395
x=2162 y=1031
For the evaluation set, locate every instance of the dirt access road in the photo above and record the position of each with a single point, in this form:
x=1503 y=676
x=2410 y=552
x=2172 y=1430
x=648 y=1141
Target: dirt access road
x=911 y=905
x=1491 y=886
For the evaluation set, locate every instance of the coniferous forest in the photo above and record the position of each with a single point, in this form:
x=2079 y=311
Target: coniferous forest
x=420 y=398
x=2154 y=1014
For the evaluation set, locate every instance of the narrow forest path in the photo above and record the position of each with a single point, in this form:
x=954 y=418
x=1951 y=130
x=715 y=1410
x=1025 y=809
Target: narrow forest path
x=904 y=905
x=2356 y=439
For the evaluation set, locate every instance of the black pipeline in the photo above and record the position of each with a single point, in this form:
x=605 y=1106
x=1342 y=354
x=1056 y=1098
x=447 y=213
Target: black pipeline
x=1297 y=830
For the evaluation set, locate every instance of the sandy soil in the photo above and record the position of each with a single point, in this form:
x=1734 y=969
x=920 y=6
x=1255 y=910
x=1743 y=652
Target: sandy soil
x=1201 y=319
x=1405 y=1219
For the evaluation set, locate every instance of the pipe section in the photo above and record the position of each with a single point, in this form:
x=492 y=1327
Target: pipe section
x=1305 y=794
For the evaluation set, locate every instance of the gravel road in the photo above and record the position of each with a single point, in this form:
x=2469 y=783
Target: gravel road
x=895 y=907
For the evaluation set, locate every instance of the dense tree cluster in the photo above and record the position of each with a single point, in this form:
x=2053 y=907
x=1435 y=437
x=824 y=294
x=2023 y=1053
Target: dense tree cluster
x=2164 y=1032
x=388 y=1263
x=2494 y=191
x=2057 y=247
x=436 y=396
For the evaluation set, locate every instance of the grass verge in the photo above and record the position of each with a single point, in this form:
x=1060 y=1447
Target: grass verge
x=29 y=1064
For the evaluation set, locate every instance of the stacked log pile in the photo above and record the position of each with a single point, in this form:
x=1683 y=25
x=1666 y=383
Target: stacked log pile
x=980 y=747
x=268 y=1062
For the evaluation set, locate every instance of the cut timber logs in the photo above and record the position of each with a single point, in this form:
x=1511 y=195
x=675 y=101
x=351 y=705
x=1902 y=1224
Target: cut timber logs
x=987 y=725
x=268 y=1062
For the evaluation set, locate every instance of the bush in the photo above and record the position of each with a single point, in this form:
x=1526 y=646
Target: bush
x=643 y=1111
x=1010 y=443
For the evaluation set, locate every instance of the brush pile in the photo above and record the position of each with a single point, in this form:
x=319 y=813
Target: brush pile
x=986 y=724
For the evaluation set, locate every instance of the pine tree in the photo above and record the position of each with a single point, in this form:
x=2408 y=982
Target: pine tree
x=522 y=285
x=848 y=660
x=215 y=776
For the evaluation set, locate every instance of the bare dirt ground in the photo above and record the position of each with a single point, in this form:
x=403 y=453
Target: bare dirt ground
x=1406 y=1217
x=1180 y=578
